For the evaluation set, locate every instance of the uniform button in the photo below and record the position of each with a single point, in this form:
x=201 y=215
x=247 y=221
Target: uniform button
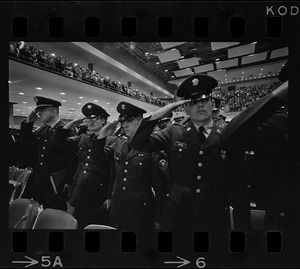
x=168 y=195
x=125 y=179
x=45 y=140
x=198 y=191
x=126 y=163
x=84 y=171
x=200 y=164
x=124 y=188
x=89 y=150
x=180 y=150
x=88 y=157
x=101 y=184
x=42 y=155
x=199 y=177
x=44 y=148
x=140 y=163
x=86 y=164
x=145 y=204
x=41 y=163
x=125 y=171
x=201 y=152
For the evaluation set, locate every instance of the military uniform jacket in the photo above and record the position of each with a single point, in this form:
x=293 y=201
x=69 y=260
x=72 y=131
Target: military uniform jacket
x=201 y=188
x=131 y=194
x=90 y=181
x=51 y=156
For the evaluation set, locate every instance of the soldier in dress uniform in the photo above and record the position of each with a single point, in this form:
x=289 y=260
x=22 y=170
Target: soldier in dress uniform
x=91 y=179
x=51 y=158
x=131 y=199
x=199 y=155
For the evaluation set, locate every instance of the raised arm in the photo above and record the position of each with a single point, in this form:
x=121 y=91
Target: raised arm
x=241 y=125
x=144 y=140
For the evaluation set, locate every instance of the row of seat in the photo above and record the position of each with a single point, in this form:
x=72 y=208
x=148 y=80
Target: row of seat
x=29 y=214
x=18 y=178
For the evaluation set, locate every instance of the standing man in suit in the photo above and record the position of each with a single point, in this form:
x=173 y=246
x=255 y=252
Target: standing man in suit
x=51 y=158
x=200 y=158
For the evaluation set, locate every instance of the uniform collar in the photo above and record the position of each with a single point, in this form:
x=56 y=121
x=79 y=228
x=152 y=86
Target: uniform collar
x=208 y=127
x=54 y=123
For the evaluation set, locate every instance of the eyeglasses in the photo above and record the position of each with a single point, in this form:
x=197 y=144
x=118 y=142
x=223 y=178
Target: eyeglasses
x=204 y=100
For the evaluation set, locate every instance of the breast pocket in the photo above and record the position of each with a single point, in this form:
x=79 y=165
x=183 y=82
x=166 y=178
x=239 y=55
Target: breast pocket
x=140 y=163
x=178 y=154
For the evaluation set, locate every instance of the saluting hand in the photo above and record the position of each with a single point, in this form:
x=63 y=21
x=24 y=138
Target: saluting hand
x=108 y=129
x=32 y=116
x=166 y=109
x=73 y=123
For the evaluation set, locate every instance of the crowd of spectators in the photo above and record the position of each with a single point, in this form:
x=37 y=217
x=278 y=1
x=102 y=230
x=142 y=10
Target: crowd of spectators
x=237 y=99
x=58 y=64
x=241 y=98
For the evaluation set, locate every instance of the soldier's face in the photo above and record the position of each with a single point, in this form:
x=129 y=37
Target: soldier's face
x=201 y=111
x=46 y=114
x=129 y=126
x=95 y=124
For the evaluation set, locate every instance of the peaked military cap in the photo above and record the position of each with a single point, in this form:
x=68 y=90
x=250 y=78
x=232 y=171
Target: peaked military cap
x=128 y=111
x=92 y=110
x=42 y=102
x=197 y=87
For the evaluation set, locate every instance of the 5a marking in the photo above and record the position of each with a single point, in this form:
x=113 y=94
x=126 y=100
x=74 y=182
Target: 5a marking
x=46 y=261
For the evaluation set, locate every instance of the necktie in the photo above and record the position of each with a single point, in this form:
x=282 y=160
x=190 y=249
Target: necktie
x=201 y=134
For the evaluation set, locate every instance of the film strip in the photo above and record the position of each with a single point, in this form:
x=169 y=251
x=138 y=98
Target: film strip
x=166 y=21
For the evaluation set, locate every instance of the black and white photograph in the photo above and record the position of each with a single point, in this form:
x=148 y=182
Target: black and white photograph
x=161 y=153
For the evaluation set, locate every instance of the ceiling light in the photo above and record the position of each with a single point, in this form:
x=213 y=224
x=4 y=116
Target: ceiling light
x=38 y=88
x=21 y=93
x=80 y=97
x=62 y=93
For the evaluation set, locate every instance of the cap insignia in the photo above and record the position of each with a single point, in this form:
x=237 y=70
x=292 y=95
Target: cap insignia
x=195 y=81
x=89 y=107
x=123 y=106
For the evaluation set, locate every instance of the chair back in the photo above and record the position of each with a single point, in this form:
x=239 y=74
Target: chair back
x=54 y=219
x=99 y=227
x=21 y=177
x=22 y=213
x=12 y=172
